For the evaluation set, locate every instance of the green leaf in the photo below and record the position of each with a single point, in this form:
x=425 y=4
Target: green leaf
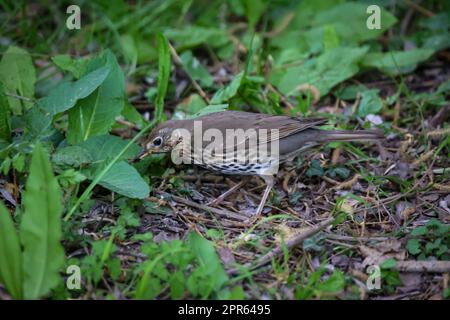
x=94 y=150
x=307 y=33
x=40 y=231
x=437 y=42
x=191 y=36
x=177 y=285
x=315 y=169
x=205 y=253
x=96 y=114
x=340 y=171
x=330 y=38
x=349 y=20
x=63 y=97
x=163 y=74
x=107 y=146
x=253 y=10
x=74 y=66
x=413 y=246
x=73 y=156
x=129 y=48
x=397 y=62
x=18 y=76
x=224 y=94
x=349 y=92
x=195 y=69
x=388 y=263
x=11 y=261
x=419 y=231
x=125 y=180
x=6 y=165
x=67 y=94
x=371 y=103
x=121 y=178
x=322 y=72
x=19 y=162
x=5 y=125
x=131 y=114
x=334 y=283
x=99 y=176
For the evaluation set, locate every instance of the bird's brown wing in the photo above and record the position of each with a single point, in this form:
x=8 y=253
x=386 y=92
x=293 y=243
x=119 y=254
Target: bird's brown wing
x=288 y=126
x=285 y=125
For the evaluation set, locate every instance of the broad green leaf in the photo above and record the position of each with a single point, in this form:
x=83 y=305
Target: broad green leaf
x=11 y=255
x=437 y=22
x=73 y=156
x=195 y=69
x=322 y=72
x=388 y=263
x=18 y=76
x=349 y=92
x=205 y=253
x=308 y=29
x=94 y=150
x=66 y=94
x=191 y=36
x=349 y=20
x=107 y=146
x=129 y=48
x=330 y=38
x=125 y=180
x=419 y=231
x=413 y=246
x=62 y=98
x=131 y=114
x=437 y=42
x=40 y=230
x=5 y=126
x=95 y=114
x=371 y=103
x=397 y=62
x=38 y=122
x=228 y=92
x=163 y=74
x=67 y=63
x=306 y=11
x=102 y=173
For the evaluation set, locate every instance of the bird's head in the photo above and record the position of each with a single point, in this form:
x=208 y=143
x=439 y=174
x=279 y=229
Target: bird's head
x=162 y=139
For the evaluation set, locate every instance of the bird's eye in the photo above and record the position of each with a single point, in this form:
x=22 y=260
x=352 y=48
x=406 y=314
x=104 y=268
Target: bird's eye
x=157 y=141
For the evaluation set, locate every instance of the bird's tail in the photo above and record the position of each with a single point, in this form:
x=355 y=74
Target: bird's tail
x=348 y=135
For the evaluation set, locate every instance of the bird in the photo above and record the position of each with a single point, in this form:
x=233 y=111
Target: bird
x=244 y=143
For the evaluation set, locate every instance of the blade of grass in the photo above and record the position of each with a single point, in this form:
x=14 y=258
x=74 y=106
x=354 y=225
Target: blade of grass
x=163 y=74
x=163 y=79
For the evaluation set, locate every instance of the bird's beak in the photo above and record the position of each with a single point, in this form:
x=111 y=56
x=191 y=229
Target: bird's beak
x=142 y=155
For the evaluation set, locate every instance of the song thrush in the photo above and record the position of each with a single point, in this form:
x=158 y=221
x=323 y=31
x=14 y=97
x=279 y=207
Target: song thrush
x=244 y=143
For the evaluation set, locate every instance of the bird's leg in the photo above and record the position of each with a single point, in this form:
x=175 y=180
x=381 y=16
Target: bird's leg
x=228 y=192
x=270 y=181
